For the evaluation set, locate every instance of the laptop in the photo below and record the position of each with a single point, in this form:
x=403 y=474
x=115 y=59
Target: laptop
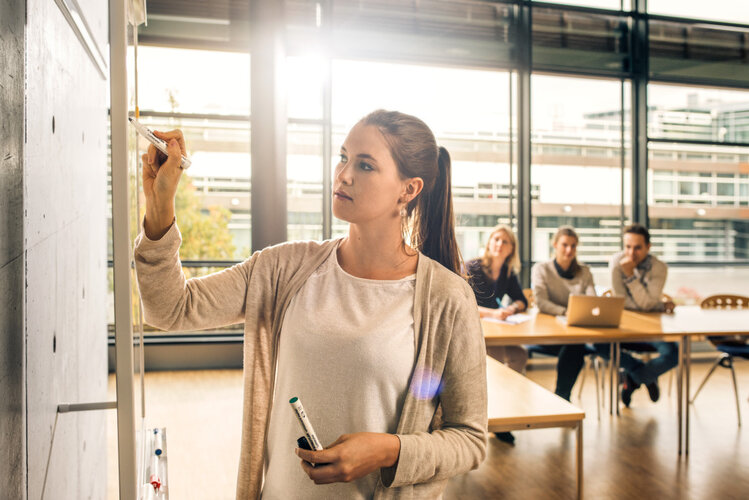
x=589 y=310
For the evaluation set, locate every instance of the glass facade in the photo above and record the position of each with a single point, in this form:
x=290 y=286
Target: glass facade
x=461 y=67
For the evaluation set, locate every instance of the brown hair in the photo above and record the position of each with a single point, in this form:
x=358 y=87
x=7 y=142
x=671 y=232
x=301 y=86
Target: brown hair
x=638 y=229
x=416 y=154
x=568 y=231
x=512 y=260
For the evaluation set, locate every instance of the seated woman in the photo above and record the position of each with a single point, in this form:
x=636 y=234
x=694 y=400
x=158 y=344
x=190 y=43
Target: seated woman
x=553 y=282
x=493 y=276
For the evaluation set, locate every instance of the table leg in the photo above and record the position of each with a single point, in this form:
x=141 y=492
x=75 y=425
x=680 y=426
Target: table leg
x=687 y=368
x=580 y=460
x=611 y=379
x=680 y=389
x=616 y=377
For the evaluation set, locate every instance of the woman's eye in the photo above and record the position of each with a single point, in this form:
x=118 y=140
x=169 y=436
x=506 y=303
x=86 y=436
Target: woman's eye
x=365 y=166
x=343 y=158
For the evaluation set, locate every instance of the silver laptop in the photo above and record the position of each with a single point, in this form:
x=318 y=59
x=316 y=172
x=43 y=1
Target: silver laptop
x=589 y=310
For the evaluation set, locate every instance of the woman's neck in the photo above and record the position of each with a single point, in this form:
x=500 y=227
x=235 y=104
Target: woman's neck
x=496 y=266
x=376 y=254
x=564 y=265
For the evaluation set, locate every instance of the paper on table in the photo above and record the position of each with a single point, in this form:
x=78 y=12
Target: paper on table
x=514 y=319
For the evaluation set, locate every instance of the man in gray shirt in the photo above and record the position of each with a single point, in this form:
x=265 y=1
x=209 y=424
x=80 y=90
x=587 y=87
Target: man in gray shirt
x=639 y=277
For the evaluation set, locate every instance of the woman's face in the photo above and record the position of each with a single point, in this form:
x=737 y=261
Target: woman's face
x=566 y=248
x=367 y=186
x=500 y=245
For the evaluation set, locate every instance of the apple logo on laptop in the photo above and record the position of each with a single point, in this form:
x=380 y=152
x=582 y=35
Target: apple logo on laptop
x=596 y=311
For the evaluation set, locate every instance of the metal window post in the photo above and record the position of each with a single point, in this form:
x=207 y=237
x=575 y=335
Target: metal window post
x=639 y=114
x=268 y=123
x=524 y=228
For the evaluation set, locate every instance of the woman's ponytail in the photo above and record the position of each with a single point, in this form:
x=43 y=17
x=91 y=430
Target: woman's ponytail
x=415 y=151
x=434 y=221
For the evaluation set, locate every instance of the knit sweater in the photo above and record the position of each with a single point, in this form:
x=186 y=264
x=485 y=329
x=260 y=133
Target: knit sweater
x=552 y=292
x=443 y=425
x=642 y=291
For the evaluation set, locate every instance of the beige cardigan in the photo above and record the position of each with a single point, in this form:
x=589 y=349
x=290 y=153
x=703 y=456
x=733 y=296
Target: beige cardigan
x=441 y=435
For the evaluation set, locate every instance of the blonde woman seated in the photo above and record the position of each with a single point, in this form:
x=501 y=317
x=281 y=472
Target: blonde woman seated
x=553 y=283
x=492 y=277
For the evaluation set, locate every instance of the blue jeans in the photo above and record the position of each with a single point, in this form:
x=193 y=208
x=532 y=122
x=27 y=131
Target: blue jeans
x=646 y=373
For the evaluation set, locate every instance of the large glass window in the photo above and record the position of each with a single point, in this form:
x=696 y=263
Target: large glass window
x=579 y=40
x=598 y=4
x=732 y=11
x=452 y=64
x=698 y=113
x=578 y=174
x=700 y=216
x=695 y=50
x=697 y=202
x=193 y=81
x=469 y=113
x=206 y=94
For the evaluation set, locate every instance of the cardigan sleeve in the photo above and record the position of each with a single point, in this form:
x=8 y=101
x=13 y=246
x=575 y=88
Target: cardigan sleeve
x=459 y=445
x=171 y=302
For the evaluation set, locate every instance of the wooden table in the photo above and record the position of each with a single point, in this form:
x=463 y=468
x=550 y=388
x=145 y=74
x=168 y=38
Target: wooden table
x=516 y=403
x=685 y=323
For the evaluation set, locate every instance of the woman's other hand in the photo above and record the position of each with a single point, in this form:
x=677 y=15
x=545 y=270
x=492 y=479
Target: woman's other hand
x=160 y=180
x=351 y=457
x=503 y=313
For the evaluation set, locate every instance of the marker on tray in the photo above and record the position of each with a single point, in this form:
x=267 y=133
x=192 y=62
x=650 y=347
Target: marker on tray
x=154 y=479
x=158 y=447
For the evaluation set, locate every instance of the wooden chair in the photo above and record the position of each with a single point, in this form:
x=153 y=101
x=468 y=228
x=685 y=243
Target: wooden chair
x=730 y=346
x=528 y=292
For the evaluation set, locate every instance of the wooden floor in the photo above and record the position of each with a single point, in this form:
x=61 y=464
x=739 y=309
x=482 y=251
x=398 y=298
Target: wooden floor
x=633 y=456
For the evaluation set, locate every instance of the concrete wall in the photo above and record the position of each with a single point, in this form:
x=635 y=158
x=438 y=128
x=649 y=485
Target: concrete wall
x=52 y=253
x=12 y=394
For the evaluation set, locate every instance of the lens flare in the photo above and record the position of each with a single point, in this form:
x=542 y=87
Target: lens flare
x=425 y=384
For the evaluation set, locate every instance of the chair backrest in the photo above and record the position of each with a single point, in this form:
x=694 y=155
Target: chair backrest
x=664 y=297
x=725 y=301
x=528 y=292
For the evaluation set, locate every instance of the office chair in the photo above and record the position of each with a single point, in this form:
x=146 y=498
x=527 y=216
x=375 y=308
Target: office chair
x=730 y=347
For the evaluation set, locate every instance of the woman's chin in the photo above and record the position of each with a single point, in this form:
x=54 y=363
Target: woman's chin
x=341 y=215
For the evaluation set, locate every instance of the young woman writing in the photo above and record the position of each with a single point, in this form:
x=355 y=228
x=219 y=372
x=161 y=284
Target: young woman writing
x=378 y=336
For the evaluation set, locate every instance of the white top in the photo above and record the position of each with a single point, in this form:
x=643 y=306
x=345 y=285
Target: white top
x=347 y=350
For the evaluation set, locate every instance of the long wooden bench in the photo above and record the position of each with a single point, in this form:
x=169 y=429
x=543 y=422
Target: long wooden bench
x=517 y=403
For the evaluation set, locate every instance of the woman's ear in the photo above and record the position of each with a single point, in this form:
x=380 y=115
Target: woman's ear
x=413 y=187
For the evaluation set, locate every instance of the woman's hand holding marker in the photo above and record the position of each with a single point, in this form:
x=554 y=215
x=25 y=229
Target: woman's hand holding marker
x=350 y=457
x=160 y=180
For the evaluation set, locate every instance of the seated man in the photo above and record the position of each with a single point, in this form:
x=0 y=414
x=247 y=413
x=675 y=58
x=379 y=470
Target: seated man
x=639 y=277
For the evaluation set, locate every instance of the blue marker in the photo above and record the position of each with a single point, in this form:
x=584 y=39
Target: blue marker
x=158 y=447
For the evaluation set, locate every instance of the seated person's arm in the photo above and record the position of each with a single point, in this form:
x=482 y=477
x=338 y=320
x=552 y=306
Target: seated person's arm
x=541 y=294
x=647 y=297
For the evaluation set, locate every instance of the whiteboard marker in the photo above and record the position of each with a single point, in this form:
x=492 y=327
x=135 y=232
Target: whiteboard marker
x=306 y=425
x=159 y=143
